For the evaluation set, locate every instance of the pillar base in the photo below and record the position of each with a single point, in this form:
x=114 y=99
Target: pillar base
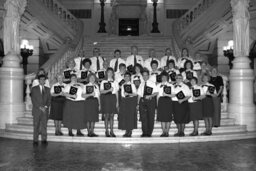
x=241 y=105
x=11 y=90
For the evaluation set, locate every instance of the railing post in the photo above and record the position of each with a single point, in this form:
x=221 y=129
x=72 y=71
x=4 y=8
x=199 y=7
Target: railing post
x=102 y=22
x=155 y=23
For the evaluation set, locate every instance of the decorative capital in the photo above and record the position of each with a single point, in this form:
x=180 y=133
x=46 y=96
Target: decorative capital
x=15 y=6
x=240 y=8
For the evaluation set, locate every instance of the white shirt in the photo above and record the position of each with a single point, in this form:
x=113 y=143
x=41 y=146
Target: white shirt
x=94 y=63
x=170 y=71
x=181 y=87
x=152 y=76
x=195 y=87
x=114 y=85
x=130 y=60
x=164 y=60
x=134 y=90
x=181 y=61
x=149 y=84
x=58 y=84
x=79 y=91
x=147 y=63
x=84 y=70
x=119 y=77
x=160 y=88
x=184 y=75
x=205 y=87
x=113 y=63
x=78 y=61
x=36 y=82
x=96 y=89
x=72 y=71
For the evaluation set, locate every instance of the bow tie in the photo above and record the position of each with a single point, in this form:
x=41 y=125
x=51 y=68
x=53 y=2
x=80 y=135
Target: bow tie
x=76 y=85
x=183 y=59
x=110 y=81
x=162 y=85
x=177 y=86
x=61 y=86
x=198 y=62
x=205 y=86
x=154 y=74
x=136 y=76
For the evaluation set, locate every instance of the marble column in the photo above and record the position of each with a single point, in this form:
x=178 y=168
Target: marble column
x=11 y=73
x=241 y=105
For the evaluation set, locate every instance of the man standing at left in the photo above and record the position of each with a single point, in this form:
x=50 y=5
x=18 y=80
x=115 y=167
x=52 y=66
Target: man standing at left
x=41 y=100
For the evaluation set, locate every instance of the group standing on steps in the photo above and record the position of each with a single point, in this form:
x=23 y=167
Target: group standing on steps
x=179 y=90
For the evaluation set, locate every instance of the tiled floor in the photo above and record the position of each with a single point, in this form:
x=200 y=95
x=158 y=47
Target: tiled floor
x=229 y=155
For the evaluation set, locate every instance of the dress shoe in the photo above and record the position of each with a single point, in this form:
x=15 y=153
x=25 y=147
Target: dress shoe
x=60 y=133
x=79 y=134
x=112 y=134
x=149 y=135
x=107 y=134
x=57 y=133
x=182 y=134
x=143 y=135
x=204 y=134
x=35 y=143
x=94 y=135
x=162 y=135
x=70 y=134
x=194 y=134
x=177 y=134
x=166 y=134
x=44 y=142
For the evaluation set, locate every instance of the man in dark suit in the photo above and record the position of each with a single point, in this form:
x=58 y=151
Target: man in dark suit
x=41 y=100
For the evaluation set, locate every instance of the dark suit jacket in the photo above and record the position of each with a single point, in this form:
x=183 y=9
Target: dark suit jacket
x=39 y=101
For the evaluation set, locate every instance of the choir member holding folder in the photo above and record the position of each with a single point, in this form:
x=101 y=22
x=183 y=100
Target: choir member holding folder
x=189 y=73
x=91 y=104
x=180 y=105
x=164 y=103
x=147 y=104
x=73 y=116
x=69 y=71
x=109 y=100
x=195 y=104
x=127 y=113
x=208 y=105
x=172 y=71
x=83 y=74
x=137 y=77
x=57 y=103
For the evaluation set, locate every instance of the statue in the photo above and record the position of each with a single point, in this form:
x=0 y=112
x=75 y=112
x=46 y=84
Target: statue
x=13 y=11
x=241 y=27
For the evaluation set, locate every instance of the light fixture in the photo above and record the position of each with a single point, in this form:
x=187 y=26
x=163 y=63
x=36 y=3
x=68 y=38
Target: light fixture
x=26 y=50
x=229 y=53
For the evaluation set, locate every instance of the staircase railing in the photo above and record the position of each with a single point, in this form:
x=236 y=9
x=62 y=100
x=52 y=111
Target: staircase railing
x=70 y=48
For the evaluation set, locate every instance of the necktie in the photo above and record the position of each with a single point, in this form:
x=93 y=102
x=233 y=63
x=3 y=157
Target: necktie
x=98 y=64
x=167 y=59
x=42 y=90
x=135 y=60
x=116 y=65
x=145 y=86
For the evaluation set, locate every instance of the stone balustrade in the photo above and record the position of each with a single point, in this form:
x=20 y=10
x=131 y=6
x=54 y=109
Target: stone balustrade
x=63 y=14
x=194 y=13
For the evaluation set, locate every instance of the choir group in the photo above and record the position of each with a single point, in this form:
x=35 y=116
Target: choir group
x=176 y=89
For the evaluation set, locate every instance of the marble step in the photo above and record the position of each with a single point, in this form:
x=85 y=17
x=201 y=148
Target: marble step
x=101 y=131
x=29 y=121
x=224 y=115
x=155 y=139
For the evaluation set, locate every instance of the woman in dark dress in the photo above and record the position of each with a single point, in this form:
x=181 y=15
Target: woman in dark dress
x=208 y=107
x=57 y=103
x=73 y=115
x=91 y=104
x=127 y=118
x=180 y=105
x=164 y=103
x=195 y=105
x=109 y=101
x=217 y=81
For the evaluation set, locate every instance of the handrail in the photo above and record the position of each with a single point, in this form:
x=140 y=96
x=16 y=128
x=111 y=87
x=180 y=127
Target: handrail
x=195 y=12
x=69 y=49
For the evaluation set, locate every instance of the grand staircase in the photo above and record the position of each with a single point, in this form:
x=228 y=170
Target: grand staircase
x=23 y=129
x=109 y=44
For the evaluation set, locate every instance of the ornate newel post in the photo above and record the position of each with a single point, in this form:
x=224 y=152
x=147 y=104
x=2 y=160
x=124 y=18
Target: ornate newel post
x=155 y=23
x=11 y=74
x=241 y=105
x=102 y=22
